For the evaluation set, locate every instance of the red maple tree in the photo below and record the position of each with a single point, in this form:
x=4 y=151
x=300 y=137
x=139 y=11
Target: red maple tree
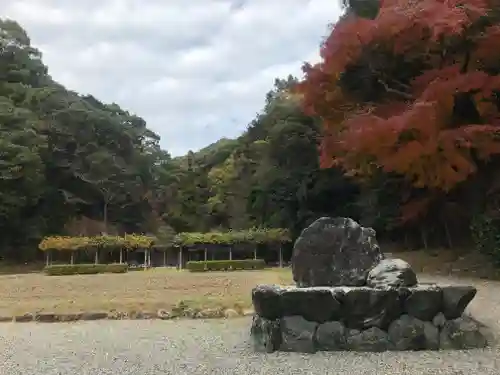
x=414 y=91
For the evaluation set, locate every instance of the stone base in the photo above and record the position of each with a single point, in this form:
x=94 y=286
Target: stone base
x=295 y=334
x=425 y=317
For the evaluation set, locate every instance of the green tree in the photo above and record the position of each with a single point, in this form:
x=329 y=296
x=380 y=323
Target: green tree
x=65 y=155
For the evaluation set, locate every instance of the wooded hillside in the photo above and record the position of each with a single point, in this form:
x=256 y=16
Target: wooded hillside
x=65 y=157
x=396 y=127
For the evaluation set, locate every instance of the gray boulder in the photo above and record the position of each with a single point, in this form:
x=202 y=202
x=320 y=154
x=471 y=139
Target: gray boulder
x=334 y=252
x=265 y=334
x=331 y=336
x=393 y=273
x=364 y=307
x=456 y=298
x=319 y=304
x=422 y=301
x=409 y=333
x=266 y=300
x=370 y=340
x=297 y=335
x=464 y=333
x=439 y=320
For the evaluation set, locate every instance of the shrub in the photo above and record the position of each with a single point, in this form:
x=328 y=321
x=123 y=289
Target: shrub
x=115 y=268
x=226 y=265
x=138 y=268
x=486 y=235
x=84 y=269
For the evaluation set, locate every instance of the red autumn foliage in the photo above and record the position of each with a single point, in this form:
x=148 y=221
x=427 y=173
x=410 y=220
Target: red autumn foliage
x=433 y=67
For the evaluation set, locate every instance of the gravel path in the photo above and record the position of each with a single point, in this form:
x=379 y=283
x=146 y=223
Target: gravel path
x=216 y=347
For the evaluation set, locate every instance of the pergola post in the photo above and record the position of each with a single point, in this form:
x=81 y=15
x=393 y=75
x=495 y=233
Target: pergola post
x=121 y=255
x=72 y=258
x=164 y=257
x=255 y=252
x=96 y=257
x=281 y=257
x=47 y=258
x=206 y=254
x=146 y=258
x=180 y=257
x=230 y=253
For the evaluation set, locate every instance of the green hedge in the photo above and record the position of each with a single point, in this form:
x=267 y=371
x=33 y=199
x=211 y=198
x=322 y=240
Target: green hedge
x=84 y=269
x=133 y=269
x=226 y=265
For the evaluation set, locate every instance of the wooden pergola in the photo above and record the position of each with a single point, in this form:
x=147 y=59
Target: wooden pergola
x=73 y=245
x=234 y=242
x=246 y=241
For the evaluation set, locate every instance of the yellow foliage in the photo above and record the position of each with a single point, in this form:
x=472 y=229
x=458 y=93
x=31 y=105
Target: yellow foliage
x=65 y=243
x=131 y=242
x=254 y=235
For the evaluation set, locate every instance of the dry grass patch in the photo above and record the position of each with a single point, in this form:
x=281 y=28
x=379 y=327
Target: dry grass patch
x=164 y=288
x=459 y=263
x=134 y=291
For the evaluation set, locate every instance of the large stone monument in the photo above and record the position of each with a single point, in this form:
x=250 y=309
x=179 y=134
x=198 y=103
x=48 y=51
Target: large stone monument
x=348 y=297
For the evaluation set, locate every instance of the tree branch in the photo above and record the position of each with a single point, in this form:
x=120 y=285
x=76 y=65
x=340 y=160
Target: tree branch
x=394 y=91
x=71 y=198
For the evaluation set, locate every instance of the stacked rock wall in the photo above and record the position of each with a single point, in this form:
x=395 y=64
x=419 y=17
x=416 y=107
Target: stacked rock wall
x=348 y=297
x=424 y=317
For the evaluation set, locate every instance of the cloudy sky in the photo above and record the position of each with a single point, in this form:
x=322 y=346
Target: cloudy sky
x=195 y=70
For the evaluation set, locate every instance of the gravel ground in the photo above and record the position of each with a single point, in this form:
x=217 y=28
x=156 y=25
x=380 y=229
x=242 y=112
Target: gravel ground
x=216 y=347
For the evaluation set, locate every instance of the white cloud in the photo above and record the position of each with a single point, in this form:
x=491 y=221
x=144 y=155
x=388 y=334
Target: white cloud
x=195 y=70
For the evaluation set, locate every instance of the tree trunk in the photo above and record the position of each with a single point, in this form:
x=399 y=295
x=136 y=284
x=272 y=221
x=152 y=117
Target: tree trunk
x=105 y=217
x=447 y=231
x=423 y=234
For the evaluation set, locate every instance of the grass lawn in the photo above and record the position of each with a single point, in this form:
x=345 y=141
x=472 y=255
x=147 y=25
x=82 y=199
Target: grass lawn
x=160 y=288
x=134 y=291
